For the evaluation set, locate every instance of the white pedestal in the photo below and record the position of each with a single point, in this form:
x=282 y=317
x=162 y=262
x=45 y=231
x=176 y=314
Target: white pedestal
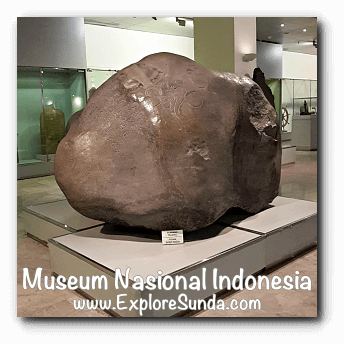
x=304 y=133
x=288 y=227
x=52 y=219
x=91 y=253
x=288 y=154
x=251 y=244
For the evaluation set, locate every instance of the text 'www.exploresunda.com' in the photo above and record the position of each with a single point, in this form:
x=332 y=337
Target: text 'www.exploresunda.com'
x=181 y=304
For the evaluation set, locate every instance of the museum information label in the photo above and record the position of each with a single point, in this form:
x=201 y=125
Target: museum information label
x=174 y=237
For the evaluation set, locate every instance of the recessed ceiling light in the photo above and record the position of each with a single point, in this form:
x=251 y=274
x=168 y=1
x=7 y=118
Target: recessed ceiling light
x=282 y=25
x=304 y=30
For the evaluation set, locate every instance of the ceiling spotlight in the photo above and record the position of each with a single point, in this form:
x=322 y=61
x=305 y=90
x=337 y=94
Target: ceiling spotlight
x=282 y=25
x=304 y=30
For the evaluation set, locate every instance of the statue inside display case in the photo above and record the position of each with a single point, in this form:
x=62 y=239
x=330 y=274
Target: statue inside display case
x=167 y=143
x=52 y=129
x=304 y=109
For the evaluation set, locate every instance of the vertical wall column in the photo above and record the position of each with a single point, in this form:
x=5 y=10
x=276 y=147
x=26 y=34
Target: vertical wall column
x=214 y=43
x=221 y=42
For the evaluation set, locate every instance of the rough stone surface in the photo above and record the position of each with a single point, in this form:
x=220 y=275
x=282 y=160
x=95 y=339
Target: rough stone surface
x=167 y=143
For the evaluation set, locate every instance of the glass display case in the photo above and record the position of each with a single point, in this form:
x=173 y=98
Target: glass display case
x=96 y=77
x=305 y=97
x=46 y=99
x=298 y=116
x=299 y=97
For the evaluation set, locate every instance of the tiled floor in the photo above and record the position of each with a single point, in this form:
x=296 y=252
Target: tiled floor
x=298 y=180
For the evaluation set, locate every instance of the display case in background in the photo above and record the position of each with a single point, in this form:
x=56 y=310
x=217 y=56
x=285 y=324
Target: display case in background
x=299 y=109
x=96 y=77
x=46 y=99
x=305 y=91
x=295 y=92
x=296 y=107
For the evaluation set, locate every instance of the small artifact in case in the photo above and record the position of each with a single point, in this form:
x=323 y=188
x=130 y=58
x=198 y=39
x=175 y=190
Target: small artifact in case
x=52 y=125
x=304 y=109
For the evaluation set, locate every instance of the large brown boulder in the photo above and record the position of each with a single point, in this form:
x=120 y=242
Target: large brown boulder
x=169 y=144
